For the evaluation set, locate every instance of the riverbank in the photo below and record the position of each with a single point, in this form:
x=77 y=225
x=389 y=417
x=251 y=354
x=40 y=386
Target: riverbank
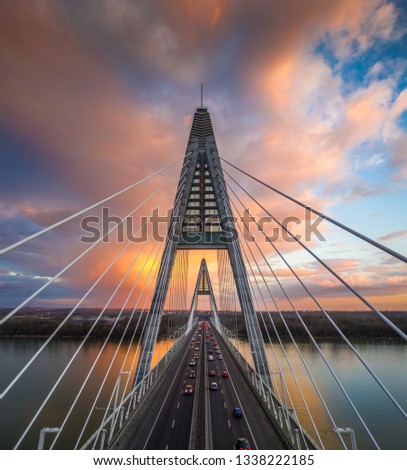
x=35 y=322
x=355 y=324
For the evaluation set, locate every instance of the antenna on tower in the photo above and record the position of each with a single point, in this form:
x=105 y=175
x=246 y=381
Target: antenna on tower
x=201 y=95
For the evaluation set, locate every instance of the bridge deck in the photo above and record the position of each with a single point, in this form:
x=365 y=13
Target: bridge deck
x=164 y=421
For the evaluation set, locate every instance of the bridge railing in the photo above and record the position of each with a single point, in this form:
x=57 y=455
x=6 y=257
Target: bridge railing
x=290 y=428
x=123 y=411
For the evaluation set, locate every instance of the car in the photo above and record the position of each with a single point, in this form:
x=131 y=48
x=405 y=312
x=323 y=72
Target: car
x=210 y=357
x=215 y=343
x=220 y=357
x=211 y=373
x=188 y=390
x=224 y=373
x=243 y=444
x=196 y=348
x=210 y=351
x=192 y=363
x=237 y=412
x=196 y=356
x=214 y=386
x=192 y=374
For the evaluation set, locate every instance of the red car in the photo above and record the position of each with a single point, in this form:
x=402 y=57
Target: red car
x=225 y=373
x=188 y=390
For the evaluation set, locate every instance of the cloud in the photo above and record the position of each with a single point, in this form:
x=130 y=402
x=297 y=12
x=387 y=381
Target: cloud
x=357 y=26
x=393 y=235
x=99 y=95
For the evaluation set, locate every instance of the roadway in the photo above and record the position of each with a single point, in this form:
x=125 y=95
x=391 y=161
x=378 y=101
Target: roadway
x=165 y=419
x=233 y=391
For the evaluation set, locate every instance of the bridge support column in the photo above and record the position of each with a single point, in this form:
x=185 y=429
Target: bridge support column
x=202 y=199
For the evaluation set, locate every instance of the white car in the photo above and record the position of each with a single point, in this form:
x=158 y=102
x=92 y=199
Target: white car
x=214 y=386
x=210 y=357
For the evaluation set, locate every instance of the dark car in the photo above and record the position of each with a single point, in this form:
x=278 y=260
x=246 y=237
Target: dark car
x=211 y=373
x=237 y=412
x=243 y=444
x=192 y=374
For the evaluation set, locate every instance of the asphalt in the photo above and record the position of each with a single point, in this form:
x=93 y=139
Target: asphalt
x=234 y=391
x=165 y=420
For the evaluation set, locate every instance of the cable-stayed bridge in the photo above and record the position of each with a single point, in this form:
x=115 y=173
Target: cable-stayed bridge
x=206 y=390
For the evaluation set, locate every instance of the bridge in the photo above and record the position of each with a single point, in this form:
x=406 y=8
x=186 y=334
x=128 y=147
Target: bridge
x=208 y=390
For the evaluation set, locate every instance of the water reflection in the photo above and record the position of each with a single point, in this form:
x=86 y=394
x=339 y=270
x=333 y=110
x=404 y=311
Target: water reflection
x=387 y=358
x=17 y=408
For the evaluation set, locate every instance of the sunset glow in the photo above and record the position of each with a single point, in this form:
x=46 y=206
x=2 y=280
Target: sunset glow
x=311 y=99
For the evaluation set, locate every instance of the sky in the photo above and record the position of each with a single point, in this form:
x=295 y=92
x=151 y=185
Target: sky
x=309 y=96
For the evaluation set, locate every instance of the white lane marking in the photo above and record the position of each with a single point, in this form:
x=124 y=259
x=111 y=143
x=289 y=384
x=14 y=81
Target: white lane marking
x=166 y=447
x=165 y=398
x=173 y=423
x=229 y=424
x=224 y=404
x=185 y=381
x=178 y=405
x=221 y=391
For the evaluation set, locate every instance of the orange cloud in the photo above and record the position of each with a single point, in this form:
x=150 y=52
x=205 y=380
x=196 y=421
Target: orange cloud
x=98 y=131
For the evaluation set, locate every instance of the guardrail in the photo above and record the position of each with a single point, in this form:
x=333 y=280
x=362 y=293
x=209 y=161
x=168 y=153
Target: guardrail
x=124 y=411
x=293 y=433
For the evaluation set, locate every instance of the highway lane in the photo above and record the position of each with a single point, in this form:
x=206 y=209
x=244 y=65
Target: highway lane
x=235 y=391
x=226 y=428
x=165 y=421
x=172 y=426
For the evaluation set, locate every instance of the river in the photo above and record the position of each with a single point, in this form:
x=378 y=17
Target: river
x=388 y=358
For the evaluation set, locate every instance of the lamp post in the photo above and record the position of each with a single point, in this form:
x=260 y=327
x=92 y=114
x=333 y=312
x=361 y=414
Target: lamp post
x=350 y=431
x=42 y=435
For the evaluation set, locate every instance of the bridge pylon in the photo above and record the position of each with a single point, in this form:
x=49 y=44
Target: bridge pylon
x=202 y=219
x=204 y=287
